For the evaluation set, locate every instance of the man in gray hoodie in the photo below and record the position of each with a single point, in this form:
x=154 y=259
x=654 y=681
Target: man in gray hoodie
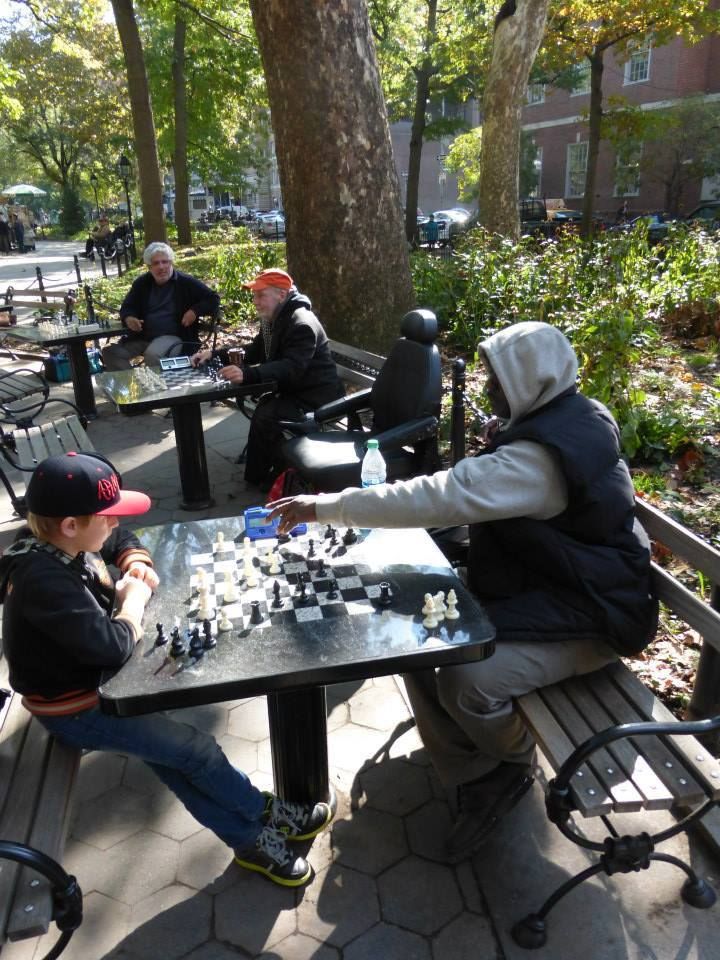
x=556 y=556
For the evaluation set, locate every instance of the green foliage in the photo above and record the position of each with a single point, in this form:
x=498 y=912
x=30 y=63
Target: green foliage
x=649 y=483
x=610 y=297
x=72 y=215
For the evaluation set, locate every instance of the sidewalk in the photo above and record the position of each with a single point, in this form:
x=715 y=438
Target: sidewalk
x=156 y=887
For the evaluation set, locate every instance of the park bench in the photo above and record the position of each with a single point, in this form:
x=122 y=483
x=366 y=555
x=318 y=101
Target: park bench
x=614 y=747
x=37 y=780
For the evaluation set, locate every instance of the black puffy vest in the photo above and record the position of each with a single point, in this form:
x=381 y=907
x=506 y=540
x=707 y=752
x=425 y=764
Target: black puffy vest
x=595 y=548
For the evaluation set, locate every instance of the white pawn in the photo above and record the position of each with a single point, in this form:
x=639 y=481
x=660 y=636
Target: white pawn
x=230 y=594
x=201 y=579
x=250 y=574
x=204 y=610
x=225 y=624
x=221 y=545
x=430 y=620
x=274 y=564
x=451 y=613
x=440 y=607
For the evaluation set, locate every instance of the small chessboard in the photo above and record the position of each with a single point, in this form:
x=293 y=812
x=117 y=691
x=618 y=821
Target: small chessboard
x=181 y=376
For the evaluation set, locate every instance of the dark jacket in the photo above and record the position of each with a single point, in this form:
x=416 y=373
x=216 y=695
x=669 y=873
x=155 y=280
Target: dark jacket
x=299 y=358
x=595 y=550
x=190 y=294
x=58 y=635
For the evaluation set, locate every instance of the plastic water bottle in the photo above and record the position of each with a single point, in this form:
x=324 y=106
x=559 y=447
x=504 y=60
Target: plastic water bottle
x=373 y=466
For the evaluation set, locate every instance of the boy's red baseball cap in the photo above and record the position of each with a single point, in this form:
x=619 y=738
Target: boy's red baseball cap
x=80 y=485
x=270 y=278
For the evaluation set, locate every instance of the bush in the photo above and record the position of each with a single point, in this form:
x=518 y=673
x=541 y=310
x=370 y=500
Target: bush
x=72 y=215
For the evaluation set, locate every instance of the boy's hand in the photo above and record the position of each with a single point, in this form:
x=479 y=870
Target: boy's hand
x=131 y=590
x=143 y=572
x=291 y=511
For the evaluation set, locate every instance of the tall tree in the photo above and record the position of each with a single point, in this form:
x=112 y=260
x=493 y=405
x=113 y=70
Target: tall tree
x=588 y=29
x=519 y=28
x=143 y=124
x=345 y=241
x=182 y=212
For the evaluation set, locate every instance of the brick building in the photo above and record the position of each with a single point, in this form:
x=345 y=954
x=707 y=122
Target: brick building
x=653 y=78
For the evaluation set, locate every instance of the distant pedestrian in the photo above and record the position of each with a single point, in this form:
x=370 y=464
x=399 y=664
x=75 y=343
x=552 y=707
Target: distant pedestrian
x=19 y=233
x=4 y=235
x=622 y=214
x=432 y=231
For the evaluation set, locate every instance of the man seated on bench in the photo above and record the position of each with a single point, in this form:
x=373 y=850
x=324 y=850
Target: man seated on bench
x=67 y=627
x=291 y=348
x=161 y=312
x=556 y=556
x=99 y=236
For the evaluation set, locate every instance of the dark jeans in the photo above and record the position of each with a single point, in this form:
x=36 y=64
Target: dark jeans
x=266 y=435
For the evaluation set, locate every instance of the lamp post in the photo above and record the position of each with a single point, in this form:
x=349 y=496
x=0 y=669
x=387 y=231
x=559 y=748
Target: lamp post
x=123 y=169
x=94 y=182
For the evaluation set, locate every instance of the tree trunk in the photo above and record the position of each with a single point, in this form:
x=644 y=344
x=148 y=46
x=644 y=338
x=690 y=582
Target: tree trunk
x=417 y=133
x=143 y=125
x=517 y=38
x=345 y=242
x=594 y=130
x=182 y=201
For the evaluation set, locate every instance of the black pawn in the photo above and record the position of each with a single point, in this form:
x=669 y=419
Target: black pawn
x=277 y=602
x=177 y=647
x=334 y=538
x=328 y=532
x=161 y=639
x=333 y=591
x=195 y=641
x=303 y=597
x=311 y=551
x=209 y=640
x=321 y=567
x=384 y=600
x=255 y=612
x=349 y=537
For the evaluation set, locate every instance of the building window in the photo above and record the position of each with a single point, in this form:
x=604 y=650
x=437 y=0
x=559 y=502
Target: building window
x=581 y=79
x=537 y=170
x=535 y=93
x=627 y=172
x=199 y=203
x=577 y=155
x=637 y=66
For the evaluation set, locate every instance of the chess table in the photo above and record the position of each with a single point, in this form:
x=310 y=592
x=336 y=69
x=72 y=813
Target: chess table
x=299 y=646
x=74 y=336
x=182 y=389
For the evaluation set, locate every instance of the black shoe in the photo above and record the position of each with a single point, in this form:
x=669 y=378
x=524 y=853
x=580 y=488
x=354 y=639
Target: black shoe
x=297 y=821
x=484 y=802
x=271 y=857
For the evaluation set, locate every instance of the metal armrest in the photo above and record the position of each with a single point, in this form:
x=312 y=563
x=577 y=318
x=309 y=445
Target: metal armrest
x=407 y=433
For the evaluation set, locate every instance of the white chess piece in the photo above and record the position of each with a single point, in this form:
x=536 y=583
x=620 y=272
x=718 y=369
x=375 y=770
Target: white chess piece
x=451 y=613
x=427 y=608
x=221 y=545
x=250 y=573
x=430 y=620
x=440 y=607
x=274 y=564
x=201 y=579
x=225 y=624
x=230 y=593
x=204 y=610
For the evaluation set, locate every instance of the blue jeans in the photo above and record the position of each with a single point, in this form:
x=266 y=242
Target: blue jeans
x=187 y=760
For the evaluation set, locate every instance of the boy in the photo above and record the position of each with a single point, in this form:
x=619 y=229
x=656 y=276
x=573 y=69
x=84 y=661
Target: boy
x=67 y=627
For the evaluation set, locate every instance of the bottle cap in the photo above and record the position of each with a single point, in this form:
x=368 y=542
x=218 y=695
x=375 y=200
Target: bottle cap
x=372 y=444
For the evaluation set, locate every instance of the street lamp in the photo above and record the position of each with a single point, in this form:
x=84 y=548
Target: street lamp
x=94 y=182
x=123 y=169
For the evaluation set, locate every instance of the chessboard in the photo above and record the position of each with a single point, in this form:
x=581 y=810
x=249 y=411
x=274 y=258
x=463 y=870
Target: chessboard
x=174 y=379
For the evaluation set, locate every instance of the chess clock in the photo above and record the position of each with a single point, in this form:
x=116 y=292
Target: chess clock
x=258 y=527
x=175 y=363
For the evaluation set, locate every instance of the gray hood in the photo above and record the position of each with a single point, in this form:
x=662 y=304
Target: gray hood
x=533 y=362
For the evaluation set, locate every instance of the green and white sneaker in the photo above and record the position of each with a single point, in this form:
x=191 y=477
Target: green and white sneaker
x=271 y=857
x=296 y=821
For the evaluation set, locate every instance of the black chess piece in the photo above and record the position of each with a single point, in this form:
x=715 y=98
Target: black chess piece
x=161 y=638
x=283 y=538
x=321 y=567
x=209 y=640
x=277 y=602
x=195 y=641
x=334 y=538
x=177 y=646
x=255 y=612
x=384 y=600
x=349 y=537
x=328 y=532
x=311 y=551
x=333 y=591
x=303 y=597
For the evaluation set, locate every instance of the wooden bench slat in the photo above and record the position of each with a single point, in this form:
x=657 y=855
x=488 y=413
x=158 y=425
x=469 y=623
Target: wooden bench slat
x=15 y=387
x=583 y=690
x=624 y=795
x=557 y=747
x=72 y=435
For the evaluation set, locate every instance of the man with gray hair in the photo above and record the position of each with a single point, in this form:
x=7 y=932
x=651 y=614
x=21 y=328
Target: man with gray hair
x=161 y=312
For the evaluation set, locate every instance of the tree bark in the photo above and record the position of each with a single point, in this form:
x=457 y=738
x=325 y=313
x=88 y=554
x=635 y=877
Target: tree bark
x=143 y=125
x=517 y=38
x=346 y=247
x=182 y=202
x=419 y=123
x=594 y=130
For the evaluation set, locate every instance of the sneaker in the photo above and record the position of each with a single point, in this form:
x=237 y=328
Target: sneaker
x=484 y=802
x=296 y=821
x=271 y=857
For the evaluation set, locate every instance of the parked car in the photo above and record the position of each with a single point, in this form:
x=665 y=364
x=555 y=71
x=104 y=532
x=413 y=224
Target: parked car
x=451 y=223
x=657 y=224
x=271 y=224
x=707 y=213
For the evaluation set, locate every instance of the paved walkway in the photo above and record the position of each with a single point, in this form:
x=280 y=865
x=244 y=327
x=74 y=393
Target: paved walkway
x=159 y=888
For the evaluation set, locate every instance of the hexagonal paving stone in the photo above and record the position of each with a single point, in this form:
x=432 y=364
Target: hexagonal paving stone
x=212 y=950
x=249 y=720
x=427 y=830
x=206 y=863
x=139 y=777
x=242 y=753
x=379 y=708
x=338 y=906
x=390 y=943
x=111 y=817
x=99 y=771
x=169 y=817
x=369 y=841
x=136 y=868
x=419 y=895
x=467 y=937
x=300 y=947
x=105 y=925
x=169 y=923
x=254 y=913
x=395 y=786
x=352 y=746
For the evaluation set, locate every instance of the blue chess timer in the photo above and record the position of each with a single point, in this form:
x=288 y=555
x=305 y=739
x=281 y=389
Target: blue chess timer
x=258 y=527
